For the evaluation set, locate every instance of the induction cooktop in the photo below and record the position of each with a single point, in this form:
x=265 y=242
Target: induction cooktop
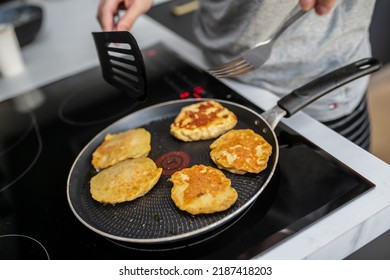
x=43 y=131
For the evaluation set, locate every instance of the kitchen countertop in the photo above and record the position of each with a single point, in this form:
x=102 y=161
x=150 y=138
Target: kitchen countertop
x=65 y=47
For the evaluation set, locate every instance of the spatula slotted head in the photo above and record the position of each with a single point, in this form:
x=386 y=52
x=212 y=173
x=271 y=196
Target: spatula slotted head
x=121 y=62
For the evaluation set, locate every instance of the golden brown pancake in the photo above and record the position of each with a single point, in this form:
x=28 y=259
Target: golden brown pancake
x=202 y=189
x=125 y=181
x=241 y=151
x=202 y=121
x=133 y=143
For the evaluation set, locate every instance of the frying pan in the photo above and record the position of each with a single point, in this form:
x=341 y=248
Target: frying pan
x=153 y=218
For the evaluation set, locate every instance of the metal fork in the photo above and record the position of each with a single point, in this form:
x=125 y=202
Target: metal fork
x=257 y=55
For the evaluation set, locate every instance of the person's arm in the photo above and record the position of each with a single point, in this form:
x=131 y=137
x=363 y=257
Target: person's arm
x=322 y=7
x=108 y=9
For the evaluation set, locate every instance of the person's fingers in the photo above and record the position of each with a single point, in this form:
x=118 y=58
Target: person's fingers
x=134 y=10
x=106 y=13
x=307 y=4
x=322 y=7
x=127 y=20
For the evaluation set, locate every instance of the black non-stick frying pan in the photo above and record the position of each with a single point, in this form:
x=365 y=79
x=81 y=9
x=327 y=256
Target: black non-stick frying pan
x=153 y=218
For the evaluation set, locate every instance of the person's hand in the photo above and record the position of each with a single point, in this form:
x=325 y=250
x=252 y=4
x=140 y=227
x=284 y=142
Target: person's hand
x=108 y=9
x=322 y=7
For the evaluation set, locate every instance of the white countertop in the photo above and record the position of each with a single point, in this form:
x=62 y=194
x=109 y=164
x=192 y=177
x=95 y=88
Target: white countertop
x=65 y=46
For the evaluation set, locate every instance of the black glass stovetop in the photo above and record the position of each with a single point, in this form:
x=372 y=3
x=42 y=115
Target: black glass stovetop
x=43 y=131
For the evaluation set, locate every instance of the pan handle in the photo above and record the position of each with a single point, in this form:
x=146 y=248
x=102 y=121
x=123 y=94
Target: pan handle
x=310 y=92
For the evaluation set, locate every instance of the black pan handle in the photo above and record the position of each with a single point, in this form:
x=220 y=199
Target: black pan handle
x=310 y=92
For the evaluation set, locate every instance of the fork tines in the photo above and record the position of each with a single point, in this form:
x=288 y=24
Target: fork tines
x=231 y=69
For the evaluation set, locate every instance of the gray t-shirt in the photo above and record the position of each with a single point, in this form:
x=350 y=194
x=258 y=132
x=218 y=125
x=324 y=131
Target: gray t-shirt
x=311 y=47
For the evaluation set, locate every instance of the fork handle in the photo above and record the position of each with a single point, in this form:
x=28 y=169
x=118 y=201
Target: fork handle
x=293 y=16
x=310 y=92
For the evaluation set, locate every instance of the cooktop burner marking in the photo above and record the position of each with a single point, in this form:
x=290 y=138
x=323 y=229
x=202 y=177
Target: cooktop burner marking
x=70 y=111
x=8 y=236
x=20 y=139
x=173 y=161
x=39 y=140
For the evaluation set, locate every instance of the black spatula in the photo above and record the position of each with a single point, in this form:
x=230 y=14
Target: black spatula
x=121 y=62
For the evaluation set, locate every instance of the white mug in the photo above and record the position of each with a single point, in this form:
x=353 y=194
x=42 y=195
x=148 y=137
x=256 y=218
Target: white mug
x=11 y=60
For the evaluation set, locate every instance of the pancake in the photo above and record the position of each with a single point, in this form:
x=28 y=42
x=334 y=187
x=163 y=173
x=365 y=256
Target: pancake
x=202 y=189
x=241 y=151
x=125 y=181
x=202 y=121
x=133 y=143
